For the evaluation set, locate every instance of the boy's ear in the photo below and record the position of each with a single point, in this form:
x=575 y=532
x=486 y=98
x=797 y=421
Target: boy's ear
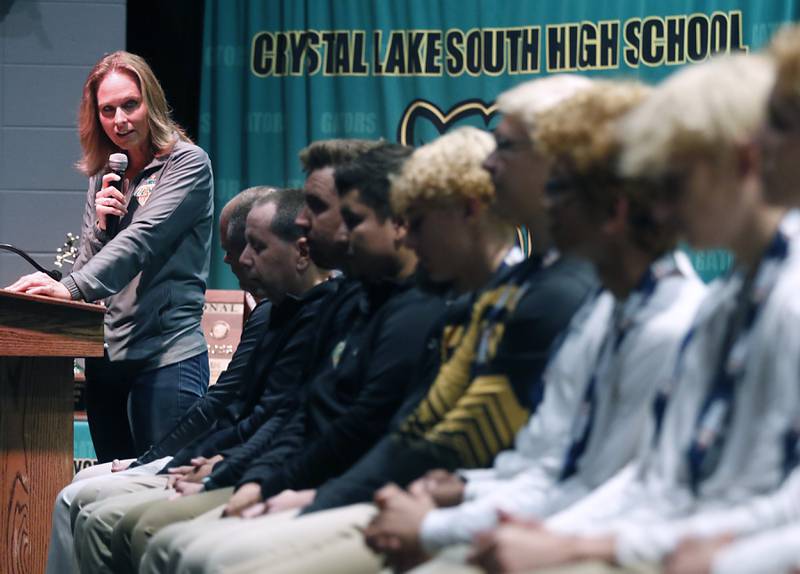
x=400 y=227
x=473 y=208
x=617 y=219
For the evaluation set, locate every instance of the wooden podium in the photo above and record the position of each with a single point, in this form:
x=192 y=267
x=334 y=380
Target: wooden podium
x=39 y=337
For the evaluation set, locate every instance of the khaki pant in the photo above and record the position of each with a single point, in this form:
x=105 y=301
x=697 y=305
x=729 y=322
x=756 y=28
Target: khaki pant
x=61 y=557
x=96 y=520
x=329 y=541
x=99 y=490
x=140 y=524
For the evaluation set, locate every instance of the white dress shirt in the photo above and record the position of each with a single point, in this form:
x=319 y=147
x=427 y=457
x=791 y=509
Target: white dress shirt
x=651 y=508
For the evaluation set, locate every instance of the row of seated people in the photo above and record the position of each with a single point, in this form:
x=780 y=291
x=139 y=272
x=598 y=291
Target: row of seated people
x=443 y=404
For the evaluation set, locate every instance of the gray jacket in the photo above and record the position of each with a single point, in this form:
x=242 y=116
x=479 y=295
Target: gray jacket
x=152 y=273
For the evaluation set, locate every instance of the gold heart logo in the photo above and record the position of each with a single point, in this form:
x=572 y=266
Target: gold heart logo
x=440 y=120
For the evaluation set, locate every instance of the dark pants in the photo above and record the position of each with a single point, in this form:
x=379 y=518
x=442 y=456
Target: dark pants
x=130 y=409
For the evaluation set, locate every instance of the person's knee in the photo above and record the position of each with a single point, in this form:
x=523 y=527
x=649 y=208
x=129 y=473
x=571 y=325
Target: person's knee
x=94 y=524
x=191 y=558
x=122 y=532
x=85 y=497
x=79 y=524
x=158 y=550
x=79 y=529
x=67 y=495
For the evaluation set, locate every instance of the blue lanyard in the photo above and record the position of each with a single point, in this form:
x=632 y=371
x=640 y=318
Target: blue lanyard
x=508 y=295
x=791 y=448
x=713 y=421
x=662 y=395
x=611 y=345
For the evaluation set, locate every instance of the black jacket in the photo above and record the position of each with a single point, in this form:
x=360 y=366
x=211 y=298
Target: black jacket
x=356 y=390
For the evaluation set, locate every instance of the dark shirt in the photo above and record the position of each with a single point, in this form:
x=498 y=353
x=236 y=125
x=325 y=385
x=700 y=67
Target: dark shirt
x=356 y=390
x=487 y=389
x=279 y=403
x=273 y=370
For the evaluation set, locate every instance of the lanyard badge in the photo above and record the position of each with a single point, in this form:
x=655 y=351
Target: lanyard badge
x=711 y=428
x=623 y=322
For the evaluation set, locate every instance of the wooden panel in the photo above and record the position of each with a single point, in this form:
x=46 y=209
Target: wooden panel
x=33 y=326
x=35 y=456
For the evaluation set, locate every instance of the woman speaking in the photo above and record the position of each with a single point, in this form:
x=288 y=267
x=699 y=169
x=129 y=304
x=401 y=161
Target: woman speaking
x=144 y=251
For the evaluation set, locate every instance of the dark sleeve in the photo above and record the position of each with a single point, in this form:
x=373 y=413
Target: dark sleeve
x=396 y=351
x=183 y=194
x=281 y=437
x=536 y=323
x=207 y=410
x=256 y=432
x=390 y=460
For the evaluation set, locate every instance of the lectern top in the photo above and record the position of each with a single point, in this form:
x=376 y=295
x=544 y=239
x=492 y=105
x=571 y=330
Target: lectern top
x=53 y=301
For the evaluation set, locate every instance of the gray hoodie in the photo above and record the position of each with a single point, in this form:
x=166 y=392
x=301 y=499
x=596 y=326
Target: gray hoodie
x=152 y=273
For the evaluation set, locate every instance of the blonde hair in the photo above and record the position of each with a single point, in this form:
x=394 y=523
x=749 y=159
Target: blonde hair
x=580 y=131
x=785 y=50
x=580 y=136
x=702 y=110
x=95 y=143
x=449 y=168
x=525 y=102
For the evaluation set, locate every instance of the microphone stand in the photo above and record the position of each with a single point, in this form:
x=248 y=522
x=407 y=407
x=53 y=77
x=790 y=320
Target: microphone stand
x=54 y=273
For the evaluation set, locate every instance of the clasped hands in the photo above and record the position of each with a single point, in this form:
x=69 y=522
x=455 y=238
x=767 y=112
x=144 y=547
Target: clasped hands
x=515 y=545
x=247 y=501
x=188 y=479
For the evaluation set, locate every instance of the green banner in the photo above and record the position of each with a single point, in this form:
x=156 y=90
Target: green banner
x=280 y=74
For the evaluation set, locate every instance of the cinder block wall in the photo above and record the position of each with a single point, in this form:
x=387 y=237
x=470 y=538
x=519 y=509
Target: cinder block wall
x=46 y=51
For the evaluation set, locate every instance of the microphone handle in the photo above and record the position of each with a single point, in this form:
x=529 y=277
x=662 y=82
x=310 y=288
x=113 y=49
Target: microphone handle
x=112 y=221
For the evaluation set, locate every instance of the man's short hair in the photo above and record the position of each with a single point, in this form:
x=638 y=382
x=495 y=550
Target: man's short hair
x=238 y=218
x=369 y=173
x=699 y=111
x=526 y=101
x=333 y=153
x=447 y=169
x=288 y=205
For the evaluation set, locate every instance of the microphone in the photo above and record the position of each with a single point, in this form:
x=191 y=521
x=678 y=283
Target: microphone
x=54 y=273
x=118 y=163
